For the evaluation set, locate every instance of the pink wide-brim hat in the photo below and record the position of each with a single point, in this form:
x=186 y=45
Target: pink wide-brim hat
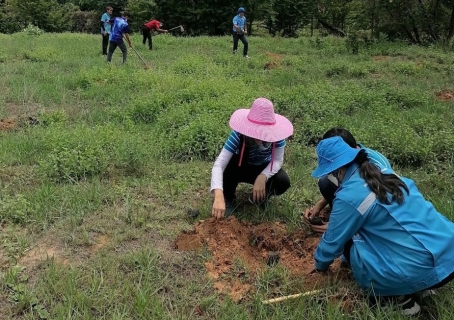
x=260 y=122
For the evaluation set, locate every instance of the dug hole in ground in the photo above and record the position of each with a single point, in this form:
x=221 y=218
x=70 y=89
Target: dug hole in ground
x=240 y=250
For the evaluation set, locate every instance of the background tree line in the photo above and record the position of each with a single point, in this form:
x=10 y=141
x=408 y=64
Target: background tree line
x=417 y=21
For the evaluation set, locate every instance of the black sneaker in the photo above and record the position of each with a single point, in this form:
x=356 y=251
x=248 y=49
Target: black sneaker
x=409 y=305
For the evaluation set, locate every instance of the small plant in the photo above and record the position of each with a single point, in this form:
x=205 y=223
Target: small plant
x=352 y=43
x=15 y=208
x=32 y=30
x=55 y=117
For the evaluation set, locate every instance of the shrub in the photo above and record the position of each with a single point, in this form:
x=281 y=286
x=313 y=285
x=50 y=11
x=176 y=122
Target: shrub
x=405 y=68
x=15 y=208
x=407 y=99
x=85 y=21
x=83 y=152
x=55 y=117
x=201 y=139
x=40 y=55
x=32 y=30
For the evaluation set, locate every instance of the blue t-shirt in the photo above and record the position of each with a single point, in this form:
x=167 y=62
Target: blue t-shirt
x=258 y=154
x=105 y=18
x=119 y=27
x=240 y=22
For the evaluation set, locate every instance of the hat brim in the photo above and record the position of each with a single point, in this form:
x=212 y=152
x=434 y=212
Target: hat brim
x=326 y=168
x=282 y=129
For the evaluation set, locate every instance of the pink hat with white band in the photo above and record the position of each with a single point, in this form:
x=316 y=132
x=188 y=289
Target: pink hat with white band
x=260 y=122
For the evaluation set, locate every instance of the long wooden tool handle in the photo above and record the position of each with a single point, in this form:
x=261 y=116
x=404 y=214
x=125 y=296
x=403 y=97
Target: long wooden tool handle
x=293 y=296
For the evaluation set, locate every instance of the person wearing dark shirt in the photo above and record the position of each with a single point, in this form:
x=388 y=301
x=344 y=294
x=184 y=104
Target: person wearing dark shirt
x=120 y=27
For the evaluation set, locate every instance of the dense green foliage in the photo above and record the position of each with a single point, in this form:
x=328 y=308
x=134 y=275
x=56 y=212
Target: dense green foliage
x=419 y=22
x=119 y=151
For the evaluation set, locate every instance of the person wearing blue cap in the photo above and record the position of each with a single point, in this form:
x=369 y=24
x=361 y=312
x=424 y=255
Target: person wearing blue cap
x=240 y=31
x=328 y=184
x=395 y=241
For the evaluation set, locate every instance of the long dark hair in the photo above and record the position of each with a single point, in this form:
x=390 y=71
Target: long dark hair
x=343 y=133
x=380 y=183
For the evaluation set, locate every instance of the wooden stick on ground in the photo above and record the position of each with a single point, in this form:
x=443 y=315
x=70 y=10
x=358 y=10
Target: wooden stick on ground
x=293 y=296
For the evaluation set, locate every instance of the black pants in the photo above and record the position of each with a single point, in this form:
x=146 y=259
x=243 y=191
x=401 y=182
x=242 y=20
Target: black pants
x=233 y=174
x=243 y=39
x=113 y=45
x=105 y=43
x=146 y=32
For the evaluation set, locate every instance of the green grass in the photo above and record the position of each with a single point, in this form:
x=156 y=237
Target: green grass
x=119 y=151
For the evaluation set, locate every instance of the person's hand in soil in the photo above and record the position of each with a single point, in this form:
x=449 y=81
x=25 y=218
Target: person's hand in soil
x=258 y=191
x=315 y=221
x=315 y=210
x=319 y=228
x=218 y=210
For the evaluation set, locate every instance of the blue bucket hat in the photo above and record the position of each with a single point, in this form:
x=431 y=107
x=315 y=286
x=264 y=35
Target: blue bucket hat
x=333 y=153
x=240 y=9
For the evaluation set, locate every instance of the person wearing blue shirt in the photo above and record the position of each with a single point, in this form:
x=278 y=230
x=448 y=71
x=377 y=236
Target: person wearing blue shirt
x=119 y=27
x=239 y=32
x=394 y=240
x=105 y=29
x=328 y=184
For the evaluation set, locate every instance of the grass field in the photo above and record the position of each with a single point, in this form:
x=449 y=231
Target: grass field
x=99 y=165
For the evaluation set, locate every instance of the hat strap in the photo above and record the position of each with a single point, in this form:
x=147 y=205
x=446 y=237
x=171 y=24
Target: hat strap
x=242 y=152
x=272 y=156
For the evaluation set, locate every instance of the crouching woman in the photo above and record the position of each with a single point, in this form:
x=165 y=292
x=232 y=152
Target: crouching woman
x=395 y=241
x=254 y=154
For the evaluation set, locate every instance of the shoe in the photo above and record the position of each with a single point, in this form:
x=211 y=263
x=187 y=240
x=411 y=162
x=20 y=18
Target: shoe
x=427 y=293
x=229 y=207
x=246 y=56
x=409 y=305
x=234 y=51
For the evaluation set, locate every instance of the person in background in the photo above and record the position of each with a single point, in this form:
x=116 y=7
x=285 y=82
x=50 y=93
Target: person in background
x=395 y=241
x=253 y=153
x=120 y=27
x=148 y=27
x=105 y=29
x=328 y=184
x=239 y=32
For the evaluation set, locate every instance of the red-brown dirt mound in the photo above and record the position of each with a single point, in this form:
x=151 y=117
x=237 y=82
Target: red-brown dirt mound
x=6 y=124
x=275 y=61
x=240 y=250
x=445 y=95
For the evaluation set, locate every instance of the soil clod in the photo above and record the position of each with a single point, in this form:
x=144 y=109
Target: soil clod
x=273 y=258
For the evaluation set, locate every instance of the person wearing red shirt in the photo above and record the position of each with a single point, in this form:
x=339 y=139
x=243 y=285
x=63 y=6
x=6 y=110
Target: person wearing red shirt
x=153 y=25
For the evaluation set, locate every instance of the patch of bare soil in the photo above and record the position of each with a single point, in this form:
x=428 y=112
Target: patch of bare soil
x=7 y=124
x=445 y=95
x=50 y=247
x=12 y=110
x=275 y=61
x=232 y=242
